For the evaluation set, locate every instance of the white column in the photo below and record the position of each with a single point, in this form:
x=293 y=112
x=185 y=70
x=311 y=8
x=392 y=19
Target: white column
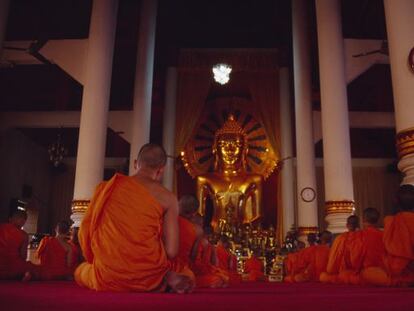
x=141 y=119
x=286 y=152
x=305 y=148
x=400 y=26
x=95 y=103
x=4 y=12
x=168 y=134
x=339 y=192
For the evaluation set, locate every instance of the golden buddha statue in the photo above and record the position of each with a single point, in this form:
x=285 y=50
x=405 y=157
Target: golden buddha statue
x=234 y=192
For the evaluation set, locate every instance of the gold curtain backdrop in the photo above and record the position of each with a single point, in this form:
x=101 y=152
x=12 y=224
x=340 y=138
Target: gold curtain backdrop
x=374 y=186
x=257 y=69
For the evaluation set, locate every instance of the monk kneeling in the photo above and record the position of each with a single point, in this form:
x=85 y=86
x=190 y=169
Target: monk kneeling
x=313 y=259
x=130 y=232
x=13 y=248
x=339 y=252
x=397 y=268
x=57 y=256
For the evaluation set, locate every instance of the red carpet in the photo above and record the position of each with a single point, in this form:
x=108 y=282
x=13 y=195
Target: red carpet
x=67 y=296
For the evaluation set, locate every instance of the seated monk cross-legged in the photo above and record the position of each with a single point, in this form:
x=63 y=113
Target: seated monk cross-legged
x=195 y=251
x=397 y=268
x=57 y=257
x=338 y=254
x=129 y=234
x=365 y=250
x=227 y=261
x=206 y=263
x=13 y=248
x=312 y=260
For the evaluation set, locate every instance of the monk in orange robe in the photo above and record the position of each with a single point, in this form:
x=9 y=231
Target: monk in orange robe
x=129 y=233
x=338 y=252
x=312 y=260
x=397 y=268
x=56 y=255
x=227 y=261
x=254 y=267
x=195 y=251
x=294 y=262
x=365 y=250
x=13 y=248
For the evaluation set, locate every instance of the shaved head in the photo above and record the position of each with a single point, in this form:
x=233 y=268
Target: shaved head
x=18 y=218
x=371 y=215
x=63 y=227
x=352 y=223
x=188 y=205
x=152 y=156
x=19 y=214
x=325 y=237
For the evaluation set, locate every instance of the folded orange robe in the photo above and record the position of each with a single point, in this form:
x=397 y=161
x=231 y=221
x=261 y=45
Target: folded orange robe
x=208 y=275
x=228 y=263
x=398 y=261
x=294 y=264
x=53 y=260
x=121 y=239
x=339 y=259
x=11 y=240
x=359 y=250
x=311 y=262
x=254 y=269
x=205 y=274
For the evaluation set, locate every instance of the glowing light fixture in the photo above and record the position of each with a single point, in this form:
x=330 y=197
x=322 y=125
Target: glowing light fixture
x=222 y=73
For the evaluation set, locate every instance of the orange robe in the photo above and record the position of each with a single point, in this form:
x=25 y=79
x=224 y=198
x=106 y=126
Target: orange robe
x=338 y=258
x=254 y=269
x=205 y=274
x=121 y=239
x=311 y=262
x=11 y=240
x=228 y=263
x=294 y=264
x=397 y=268
x=208 y=275
x=361 y=249
x=53 y=260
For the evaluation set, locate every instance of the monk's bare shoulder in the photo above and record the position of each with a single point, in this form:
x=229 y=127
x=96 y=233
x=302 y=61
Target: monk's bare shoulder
x=165 y=197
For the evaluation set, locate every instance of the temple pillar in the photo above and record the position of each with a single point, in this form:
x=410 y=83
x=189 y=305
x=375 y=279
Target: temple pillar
x=305 y=149
x=400 y=25
x=168 y=134
x=339 y=193
x=4 y=12
x=144 y=69
x=286 y=152
x=95 y=104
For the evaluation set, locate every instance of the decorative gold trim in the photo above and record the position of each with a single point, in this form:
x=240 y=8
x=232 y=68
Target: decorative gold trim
x=405 y=142
x=198 y=153
x=80 y=206
x=344 y=206
x=307 y=230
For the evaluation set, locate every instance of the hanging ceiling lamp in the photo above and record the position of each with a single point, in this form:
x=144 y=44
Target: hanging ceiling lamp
x=222 y=73
x=57 y=151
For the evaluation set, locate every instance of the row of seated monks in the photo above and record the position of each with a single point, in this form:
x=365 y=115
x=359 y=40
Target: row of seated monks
x=136 y=236
x=58 y=256
x=366 y=256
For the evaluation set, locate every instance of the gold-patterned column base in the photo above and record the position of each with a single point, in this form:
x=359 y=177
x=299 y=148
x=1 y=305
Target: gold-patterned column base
x=344 y=206
x=405 y=142
x=80 y=206
x=307 y=230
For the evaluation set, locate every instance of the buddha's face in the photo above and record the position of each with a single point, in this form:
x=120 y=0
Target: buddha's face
x=230 y=148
